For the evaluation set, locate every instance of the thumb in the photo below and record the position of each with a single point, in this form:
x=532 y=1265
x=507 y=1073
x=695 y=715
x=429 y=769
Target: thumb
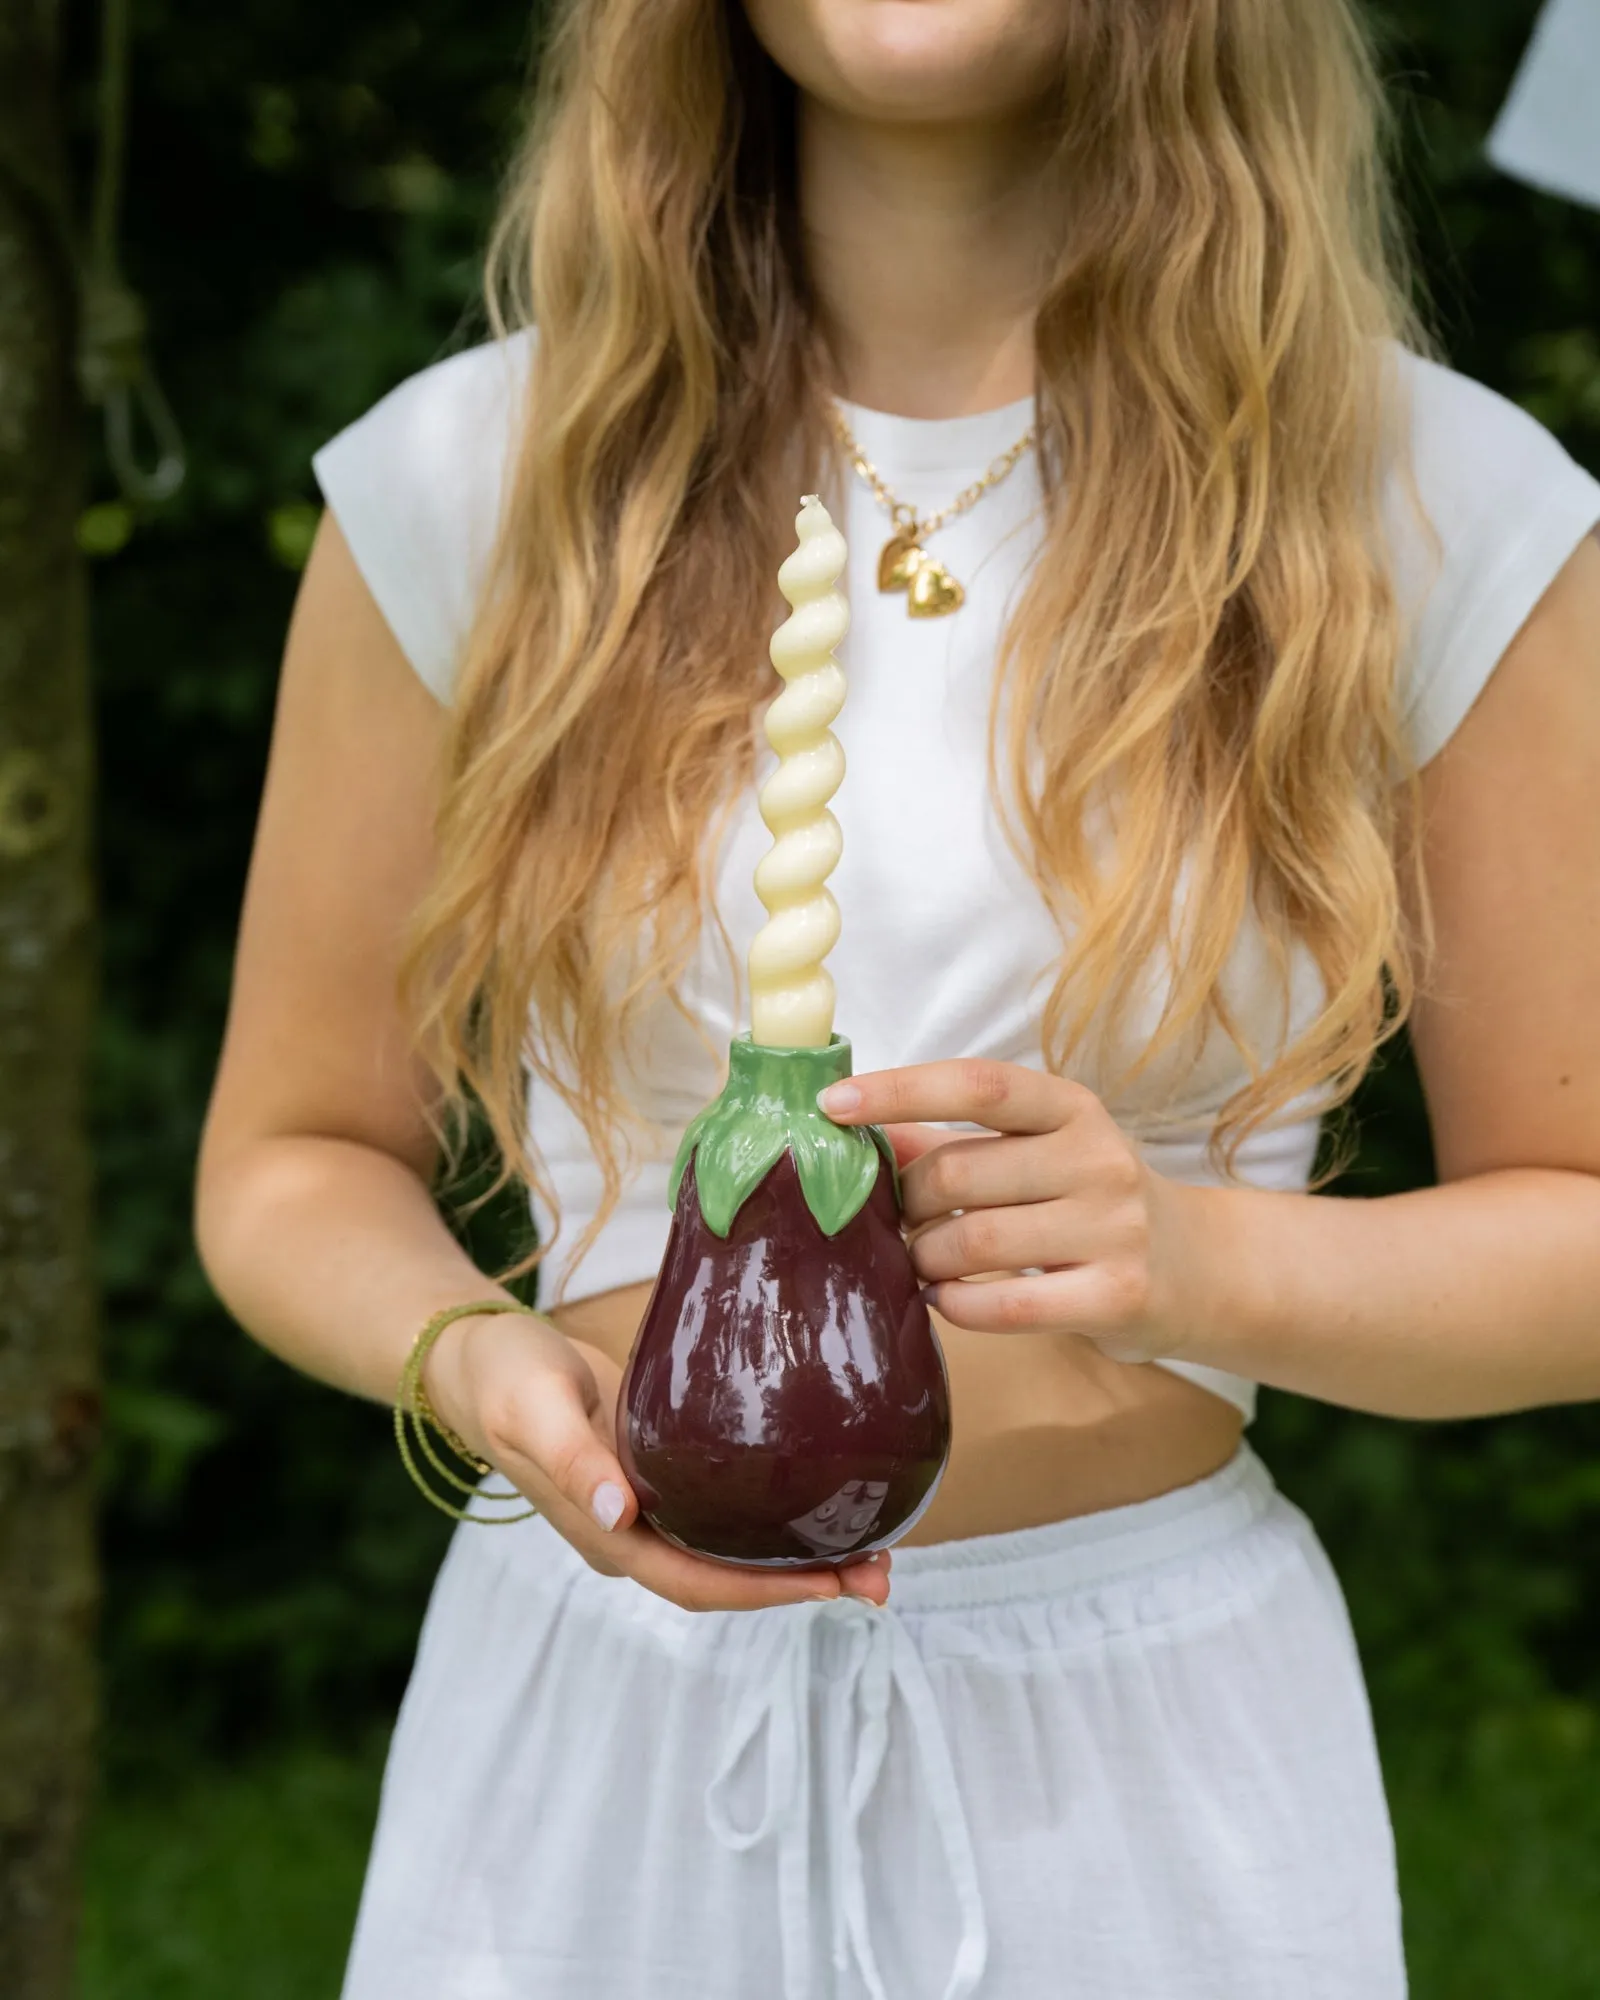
x=557 y=1434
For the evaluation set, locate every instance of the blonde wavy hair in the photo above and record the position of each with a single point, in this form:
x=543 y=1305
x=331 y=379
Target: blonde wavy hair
x=1205 y=659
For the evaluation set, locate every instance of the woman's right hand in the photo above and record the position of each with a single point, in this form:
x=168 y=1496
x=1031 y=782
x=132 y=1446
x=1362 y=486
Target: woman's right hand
x=542 y=1408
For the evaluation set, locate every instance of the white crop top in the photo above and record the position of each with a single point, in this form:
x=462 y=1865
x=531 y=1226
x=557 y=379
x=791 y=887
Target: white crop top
x=946 y=949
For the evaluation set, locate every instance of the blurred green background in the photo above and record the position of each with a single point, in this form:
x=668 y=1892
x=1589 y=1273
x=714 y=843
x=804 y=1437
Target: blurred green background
x=308 y=187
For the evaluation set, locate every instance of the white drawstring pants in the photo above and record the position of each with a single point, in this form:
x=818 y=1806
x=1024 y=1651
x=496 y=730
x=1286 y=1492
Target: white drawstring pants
x=1125 y=1757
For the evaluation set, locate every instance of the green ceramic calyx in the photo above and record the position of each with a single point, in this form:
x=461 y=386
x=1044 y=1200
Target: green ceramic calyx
x=769 y=1104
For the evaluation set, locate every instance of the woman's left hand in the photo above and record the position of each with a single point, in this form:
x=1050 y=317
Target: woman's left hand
x=1053 y=1193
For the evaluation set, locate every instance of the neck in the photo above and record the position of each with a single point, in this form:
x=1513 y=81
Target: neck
x=926 y=248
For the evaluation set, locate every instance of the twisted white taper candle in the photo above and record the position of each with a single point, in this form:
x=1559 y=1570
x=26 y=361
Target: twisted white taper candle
x=791 y=991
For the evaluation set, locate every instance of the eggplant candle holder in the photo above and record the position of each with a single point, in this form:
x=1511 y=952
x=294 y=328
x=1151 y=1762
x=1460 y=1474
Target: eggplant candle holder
x=785 y=1403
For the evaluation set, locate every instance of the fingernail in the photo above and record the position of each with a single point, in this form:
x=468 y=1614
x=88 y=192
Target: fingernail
x=839 y=1097
x=608 y=1503
x=929 y=1295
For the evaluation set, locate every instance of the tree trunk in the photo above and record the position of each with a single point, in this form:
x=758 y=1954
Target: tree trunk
x=48 y=1396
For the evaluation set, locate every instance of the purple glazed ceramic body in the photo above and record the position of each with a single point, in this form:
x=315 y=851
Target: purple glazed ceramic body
x=785 y=1403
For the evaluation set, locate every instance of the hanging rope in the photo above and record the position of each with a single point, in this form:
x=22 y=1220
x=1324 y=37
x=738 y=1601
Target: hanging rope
x=113 y=362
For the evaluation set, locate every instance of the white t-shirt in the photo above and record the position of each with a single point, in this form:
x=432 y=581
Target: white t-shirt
x=947 y=949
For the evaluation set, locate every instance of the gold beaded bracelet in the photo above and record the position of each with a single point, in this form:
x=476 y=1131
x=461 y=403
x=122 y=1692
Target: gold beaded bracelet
x=415 y=1416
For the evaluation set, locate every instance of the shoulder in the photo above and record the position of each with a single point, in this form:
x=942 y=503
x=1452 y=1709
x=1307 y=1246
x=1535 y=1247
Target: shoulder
x=416 y=485
x=1481 y=512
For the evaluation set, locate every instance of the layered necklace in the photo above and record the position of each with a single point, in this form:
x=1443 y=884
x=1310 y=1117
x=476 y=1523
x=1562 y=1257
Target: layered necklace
x=903 y=563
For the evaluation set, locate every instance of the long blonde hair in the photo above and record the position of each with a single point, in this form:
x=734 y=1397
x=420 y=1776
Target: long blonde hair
x=1204 y=661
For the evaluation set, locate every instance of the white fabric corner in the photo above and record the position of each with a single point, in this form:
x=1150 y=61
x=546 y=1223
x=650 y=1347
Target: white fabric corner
x=1548 y=131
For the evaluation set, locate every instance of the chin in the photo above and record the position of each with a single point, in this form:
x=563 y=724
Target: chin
x=925 y=60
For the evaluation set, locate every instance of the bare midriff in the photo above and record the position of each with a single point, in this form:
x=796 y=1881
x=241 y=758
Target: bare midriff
x=1045 y=1426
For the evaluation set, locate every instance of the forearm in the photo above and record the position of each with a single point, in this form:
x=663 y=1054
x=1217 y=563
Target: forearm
x=1462 y=1300
x=332 y=1254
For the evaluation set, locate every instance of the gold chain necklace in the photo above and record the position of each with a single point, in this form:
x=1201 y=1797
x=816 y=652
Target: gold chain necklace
x=904 y=564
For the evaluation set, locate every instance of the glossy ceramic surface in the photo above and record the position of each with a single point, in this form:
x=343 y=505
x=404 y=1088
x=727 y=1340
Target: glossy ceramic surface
x=785 y=1403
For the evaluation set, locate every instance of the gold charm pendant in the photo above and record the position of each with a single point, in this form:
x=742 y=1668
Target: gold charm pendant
x=934 y=591
x=904 y=565
x=899 y=562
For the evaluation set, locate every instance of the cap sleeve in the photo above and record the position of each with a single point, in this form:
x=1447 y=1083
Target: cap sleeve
x=1502 y=508
x=416 y=486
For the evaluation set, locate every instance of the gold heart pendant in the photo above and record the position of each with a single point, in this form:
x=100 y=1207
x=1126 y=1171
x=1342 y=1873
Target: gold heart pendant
x=899 y=562
x=934 y=591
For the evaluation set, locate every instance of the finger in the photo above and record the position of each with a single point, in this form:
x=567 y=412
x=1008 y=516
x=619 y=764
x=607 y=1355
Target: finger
x=911 y=1142
x=1001 y=1239
x=553 y=1430
x=657 y=1565
x=1006 y=1097
x=700 y=1585
x=866 y=1577
x=555 y=1464
x=984 y=1172
x=607 y=1383
x=1082 y=1299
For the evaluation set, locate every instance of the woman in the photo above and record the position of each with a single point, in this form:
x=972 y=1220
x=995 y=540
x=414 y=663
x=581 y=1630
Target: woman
x=1288 y=645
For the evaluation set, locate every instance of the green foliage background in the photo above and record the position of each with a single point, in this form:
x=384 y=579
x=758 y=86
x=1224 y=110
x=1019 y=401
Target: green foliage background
x=308 y=187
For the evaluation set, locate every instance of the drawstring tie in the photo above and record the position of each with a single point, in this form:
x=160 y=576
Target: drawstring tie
x=880 y=1660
